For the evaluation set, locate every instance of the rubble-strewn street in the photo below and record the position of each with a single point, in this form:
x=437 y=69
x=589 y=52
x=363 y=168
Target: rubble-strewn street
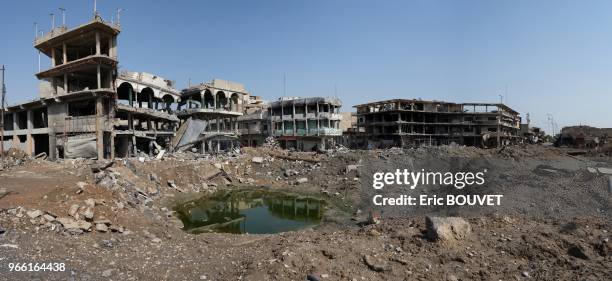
x=114 y=220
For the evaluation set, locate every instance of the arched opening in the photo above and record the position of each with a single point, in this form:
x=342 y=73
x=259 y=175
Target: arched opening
x=169 y=102
x=234 y=102
x=209 y=100
x=221 y=100
x=146 y=96
x=125 y=93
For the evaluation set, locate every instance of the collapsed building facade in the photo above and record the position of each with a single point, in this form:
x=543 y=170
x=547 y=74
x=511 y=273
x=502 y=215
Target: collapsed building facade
x=305 y=124
x=404 y=122
x=209 y=116
x=86 y=109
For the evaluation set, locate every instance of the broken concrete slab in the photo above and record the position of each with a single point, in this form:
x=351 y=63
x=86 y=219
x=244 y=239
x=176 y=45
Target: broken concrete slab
x=34 y=214
x=257 y=160
x=605 y=171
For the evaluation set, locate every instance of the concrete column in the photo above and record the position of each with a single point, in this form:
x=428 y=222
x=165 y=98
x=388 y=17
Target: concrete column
x=130 y=97
x=53 y=57
x=318 y=120
x=282 y=118
x=65 y=83
x=115 y=53
x=218 y=124
x=98 y=43
x=293 y=115
x=110 y=47
x=29 y=138
x=52 y=144
x=16 y=141
x=99 y=77
x=112 y=145
x=64 y=53
x=99 y=127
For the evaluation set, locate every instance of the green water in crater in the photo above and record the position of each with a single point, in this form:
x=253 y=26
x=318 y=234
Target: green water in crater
x=250 y=211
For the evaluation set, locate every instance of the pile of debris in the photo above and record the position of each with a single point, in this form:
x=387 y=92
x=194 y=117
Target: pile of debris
x=271 y=143
x=79 y=219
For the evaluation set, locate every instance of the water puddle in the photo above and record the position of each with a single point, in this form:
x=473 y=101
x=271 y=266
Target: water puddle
x=250 y=211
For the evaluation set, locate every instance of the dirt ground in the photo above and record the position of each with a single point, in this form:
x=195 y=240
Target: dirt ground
x=554 y=223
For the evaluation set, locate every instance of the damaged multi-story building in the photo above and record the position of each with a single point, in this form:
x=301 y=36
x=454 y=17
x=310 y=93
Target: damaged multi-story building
x=406 y=122
x=305 y=124
x=209 y=116
x=86 y=108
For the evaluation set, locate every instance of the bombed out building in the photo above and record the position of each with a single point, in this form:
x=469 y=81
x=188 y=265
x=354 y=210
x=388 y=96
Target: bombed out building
x=405 y=122
x=209 y=115
x=305 y=124
x=85 y=107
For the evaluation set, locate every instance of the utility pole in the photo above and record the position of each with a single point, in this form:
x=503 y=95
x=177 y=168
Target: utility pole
x=2 y=109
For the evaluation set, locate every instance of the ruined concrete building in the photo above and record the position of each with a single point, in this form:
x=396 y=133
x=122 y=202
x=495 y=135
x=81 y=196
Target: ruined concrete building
x=404 y=122
x=208 y=113
x=305 y=123
x=584 y=137
x=86 y=109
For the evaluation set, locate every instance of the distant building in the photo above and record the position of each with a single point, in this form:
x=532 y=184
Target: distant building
x=305 y=123
x=404 y=122
x=584 y=136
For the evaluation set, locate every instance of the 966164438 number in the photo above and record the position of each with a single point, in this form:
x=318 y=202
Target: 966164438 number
x=31 y=266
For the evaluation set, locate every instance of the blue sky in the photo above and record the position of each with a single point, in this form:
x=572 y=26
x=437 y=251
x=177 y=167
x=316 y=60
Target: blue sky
x=555 y=57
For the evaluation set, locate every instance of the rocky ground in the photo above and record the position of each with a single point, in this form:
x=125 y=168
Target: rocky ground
x=114 y=220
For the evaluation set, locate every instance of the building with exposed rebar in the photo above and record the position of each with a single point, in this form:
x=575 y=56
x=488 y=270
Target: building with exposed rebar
x=404 y=122
x=305 y=123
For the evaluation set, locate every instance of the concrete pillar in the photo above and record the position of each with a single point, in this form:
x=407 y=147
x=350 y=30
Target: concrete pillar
x=110 y=47
x=112 y=145
x=282 y=118
x=64 y=53
x=99 y=127
x=52 y=145
x=29 y=138
x=318 y=120
x=293 y=115
x=130 y=96
x=98 y=43
x=53 y=57
x=99 y=77
x=65 y=83
x=16 y=141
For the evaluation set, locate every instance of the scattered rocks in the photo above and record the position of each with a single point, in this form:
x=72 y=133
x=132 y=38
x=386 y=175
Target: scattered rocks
x=100 y=227
x=578 y=252
x=447 y=229
x=375 y=265
x=71 y=224
x=34 y=214
x=73 y=211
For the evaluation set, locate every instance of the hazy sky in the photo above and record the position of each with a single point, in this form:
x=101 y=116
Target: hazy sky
x=555 y=57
